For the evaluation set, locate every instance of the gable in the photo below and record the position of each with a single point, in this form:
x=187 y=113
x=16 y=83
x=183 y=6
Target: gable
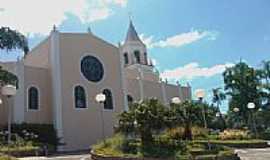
x=39 y=56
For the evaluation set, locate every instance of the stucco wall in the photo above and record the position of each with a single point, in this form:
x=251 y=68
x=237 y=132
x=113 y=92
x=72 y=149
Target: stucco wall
x=39 y=78
x=154 y=89
x=39 y=56
x=3 y=112
x=83 y=127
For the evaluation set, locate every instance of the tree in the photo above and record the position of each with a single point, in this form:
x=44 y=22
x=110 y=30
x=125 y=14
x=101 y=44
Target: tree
x=264 y=74
x=218 y=97
x=187 y=114
x=11 y=39
x=143 y=119
x=7 y=78
x=241 y=84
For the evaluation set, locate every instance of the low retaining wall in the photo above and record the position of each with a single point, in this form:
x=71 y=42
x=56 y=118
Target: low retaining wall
x=99 y=157
x=241 y=145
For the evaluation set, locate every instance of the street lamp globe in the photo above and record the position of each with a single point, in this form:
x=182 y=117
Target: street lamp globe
x=100 y=98
x=236 y=109
x=199 y=93
x=9 y=90
x=251 y=105
x=176 y=100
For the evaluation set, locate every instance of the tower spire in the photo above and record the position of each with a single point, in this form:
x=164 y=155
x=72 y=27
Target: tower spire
x=132 y=34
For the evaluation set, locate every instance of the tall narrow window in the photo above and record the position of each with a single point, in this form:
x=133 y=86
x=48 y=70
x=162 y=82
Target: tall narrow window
x=129 y=99
x=33 y=98
x=137 y=56
x=80 y=97
x=108 y=104
x=126 y=58
x=145 y=58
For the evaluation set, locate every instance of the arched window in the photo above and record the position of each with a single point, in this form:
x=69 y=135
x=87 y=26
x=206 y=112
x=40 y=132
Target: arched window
x=126 y=58
x=137 y=56
x=33 y=98
x=80 y=97
x=129 y=99
x=145 y=58
x=108 y=104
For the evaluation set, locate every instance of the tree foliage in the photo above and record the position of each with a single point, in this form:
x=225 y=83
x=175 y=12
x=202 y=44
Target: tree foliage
x=187 y=114
x=149 y=117
x=218 y=97
x=143 y=119
x=242 y=84
x=7 y=78
x=11 y=39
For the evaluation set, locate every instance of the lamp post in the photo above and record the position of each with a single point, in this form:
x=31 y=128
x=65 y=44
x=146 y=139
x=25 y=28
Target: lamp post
x=236 y=110
x=200 y=93
x=9 y=91
x=100 y=98
x=252 y=106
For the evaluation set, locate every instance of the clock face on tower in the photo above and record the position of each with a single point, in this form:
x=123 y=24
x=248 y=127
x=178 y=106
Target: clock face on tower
x=92 y=68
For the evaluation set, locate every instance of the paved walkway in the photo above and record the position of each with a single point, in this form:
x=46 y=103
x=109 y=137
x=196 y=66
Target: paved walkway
x=245 y=154
x=60 y=157
x=254 y=154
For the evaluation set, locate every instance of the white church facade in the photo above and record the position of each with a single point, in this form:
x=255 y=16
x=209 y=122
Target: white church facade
x=60 y=77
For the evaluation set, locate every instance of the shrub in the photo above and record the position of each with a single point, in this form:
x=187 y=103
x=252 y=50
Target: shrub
x=234 y=134
x=178 y=133
x=117 y=145
x=40 y=134
x=2 y=157
x=265 y=134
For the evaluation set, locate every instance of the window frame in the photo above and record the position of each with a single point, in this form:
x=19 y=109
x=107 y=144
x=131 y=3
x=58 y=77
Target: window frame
x=138 y=59
x=74 y=97
x=39 y=98
x=103 y=107
x=126 y=58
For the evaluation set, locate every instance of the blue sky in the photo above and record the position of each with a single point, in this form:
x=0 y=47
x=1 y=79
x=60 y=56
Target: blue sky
x=190 y=40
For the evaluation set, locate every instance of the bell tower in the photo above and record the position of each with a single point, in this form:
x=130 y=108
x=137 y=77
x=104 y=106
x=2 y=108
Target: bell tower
x=134 y=50
x=136 y=63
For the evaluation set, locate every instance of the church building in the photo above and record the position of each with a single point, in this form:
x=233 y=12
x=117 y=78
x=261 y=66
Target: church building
x=60 y=78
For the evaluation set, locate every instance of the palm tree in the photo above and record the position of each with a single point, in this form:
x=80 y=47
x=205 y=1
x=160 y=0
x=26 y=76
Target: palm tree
x=187 y=114
x=265 y=82
x=218 y=97
x=9 y=40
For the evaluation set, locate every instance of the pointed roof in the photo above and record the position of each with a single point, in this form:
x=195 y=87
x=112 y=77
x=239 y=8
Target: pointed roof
x=132 y=33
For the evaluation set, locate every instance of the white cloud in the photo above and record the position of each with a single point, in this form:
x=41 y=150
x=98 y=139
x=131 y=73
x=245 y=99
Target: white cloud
x=193 y=70
x=36 y=16
x=179 y=39
x=122 y=3
x=148 y=41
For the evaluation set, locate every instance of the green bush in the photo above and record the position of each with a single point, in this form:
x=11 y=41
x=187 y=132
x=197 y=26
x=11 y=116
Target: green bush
x=265 y=134
x=2 y=157
x=178 y=133
x=46 y=133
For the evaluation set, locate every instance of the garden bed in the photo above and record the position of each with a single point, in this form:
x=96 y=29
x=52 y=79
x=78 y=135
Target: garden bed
x=20 y=151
